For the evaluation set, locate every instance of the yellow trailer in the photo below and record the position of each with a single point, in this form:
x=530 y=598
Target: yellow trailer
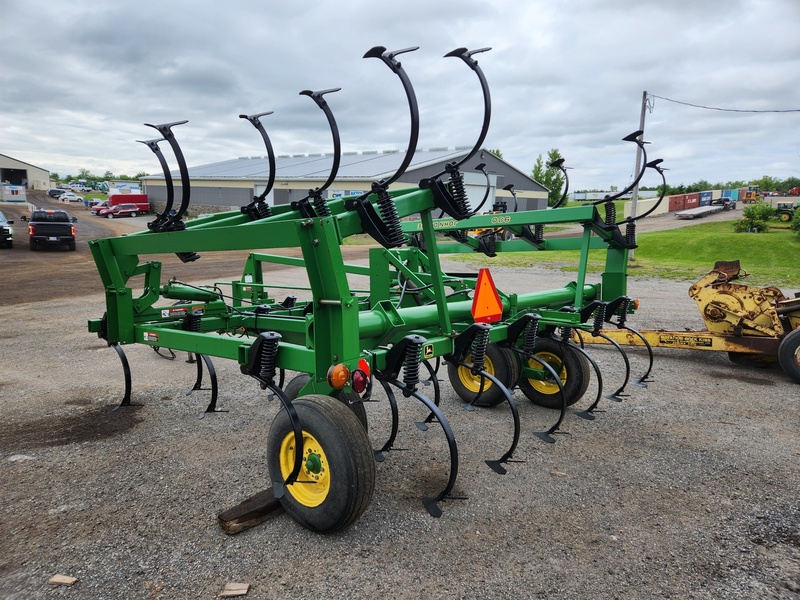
x=754 y=325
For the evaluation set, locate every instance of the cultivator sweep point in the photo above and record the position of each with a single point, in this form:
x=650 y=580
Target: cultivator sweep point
x=342 y=341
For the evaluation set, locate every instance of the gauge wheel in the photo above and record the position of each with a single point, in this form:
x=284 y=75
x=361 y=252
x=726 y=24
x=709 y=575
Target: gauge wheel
x=337 y=477
x=789 y=354
x=351 y=399
x=499 y=362
x=571 y=366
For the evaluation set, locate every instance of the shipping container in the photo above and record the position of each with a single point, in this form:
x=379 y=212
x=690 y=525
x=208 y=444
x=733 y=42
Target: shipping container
x=677 y=202
x=692 y=200
x=705 y=198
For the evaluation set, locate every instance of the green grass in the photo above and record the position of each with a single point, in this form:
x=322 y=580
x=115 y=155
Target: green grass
x=771 y=258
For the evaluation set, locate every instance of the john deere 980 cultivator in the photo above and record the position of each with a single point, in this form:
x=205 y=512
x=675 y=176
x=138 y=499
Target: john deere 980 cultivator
x=340 y=342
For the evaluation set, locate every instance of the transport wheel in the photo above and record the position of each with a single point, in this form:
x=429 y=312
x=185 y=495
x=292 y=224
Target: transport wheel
x=337 y=479
x=499 y=363
x=789 y=354
x=752 y=360
x=572 y=368
x=292 y=390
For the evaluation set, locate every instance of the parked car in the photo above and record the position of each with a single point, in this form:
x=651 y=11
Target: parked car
x=6 y=232
x=104 y=205
x=70 y=197
x=122 y=210
x=55 y=192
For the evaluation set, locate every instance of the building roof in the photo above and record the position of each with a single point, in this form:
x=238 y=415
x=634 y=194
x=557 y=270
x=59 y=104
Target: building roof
x=353 y=166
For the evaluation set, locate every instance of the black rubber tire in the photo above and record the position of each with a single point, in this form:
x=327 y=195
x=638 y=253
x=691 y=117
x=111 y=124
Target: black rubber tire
x=572 y=367
x=352 y=400
x=785 y=216
x=499 y=362
x=72 y=246
x=110 y=216
x=133 y=214
x=346 y=464
x=34 y=246
x=752 y=360
x=789 y=354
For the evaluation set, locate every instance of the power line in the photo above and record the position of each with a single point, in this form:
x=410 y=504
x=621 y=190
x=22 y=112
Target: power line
x=736 y=110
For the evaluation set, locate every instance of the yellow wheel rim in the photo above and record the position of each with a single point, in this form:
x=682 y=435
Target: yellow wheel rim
x=471 y=381
x=543 y=386
x=314 y=481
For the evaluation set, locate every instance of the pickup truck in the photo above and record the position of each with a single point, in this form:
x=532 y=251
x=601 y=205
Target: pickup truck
x=50 y=227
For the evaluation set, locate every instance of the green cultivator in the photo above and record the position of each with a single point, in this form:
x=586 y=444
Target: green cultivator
x=342 y=342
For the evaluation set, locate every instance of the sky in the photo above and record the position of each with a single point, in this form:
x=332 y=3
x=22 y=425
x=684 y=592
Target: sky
x=79 y=79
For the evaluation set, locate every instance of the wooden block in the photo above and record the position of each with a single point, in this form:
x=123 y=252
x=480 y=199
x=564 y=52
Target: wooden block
x=235 y=589
x=62 y=580
x=249 y=513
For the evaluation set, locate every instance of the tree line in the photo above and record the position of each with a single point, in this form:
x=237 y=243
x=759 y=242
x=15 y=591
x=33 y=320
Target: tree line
x=89 y=176
x=553 y=180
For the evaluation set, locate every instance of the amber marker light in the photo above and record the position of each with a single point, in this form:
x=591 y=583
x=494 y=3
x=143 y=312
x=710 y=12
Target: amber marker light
x=338 y=375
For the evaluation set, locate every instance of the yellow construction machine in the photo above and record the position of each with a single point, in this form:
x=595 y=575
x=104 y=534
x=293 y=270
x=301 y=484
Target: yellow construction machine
x=754 y=325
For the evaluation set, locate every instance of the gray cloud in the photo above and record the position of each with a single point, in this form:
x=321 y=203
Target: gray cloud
x=78 y=83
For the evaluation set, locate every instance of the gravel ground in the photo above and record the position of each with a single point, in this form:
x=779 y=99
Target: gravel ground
x=685 y=489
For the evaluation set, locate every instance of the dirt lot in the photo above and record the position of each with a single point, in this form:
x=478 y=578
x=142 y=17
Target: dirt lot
x=686 y=489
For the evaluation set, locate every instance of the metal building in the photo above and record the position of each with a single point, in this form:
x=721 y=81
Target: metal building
x=233 y=183
x=17 y=176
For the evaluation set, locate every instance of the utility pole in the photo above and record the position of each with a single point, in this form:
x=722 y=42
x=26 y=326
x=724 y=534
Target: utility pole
x=635 y=192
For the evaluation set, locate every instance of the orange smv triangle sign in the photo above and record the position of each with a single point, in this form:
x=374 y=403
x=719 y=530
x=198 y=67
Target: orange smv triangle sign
x=486 y=305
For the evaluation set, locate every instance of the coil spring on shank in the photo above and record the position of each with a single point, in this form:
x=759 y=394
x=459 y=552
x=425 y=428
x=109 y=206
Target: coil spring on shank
x=268 y=357
x=479 y=344
x=263 y=210
x=611 y=213
x=630 y=233
x=457 y=190
x=622 y=311
x=321 y=205
x=538 y=233
x=530 y=334
x=390 y=217
x=193 y=323
x=411 y=361
x=599 y=316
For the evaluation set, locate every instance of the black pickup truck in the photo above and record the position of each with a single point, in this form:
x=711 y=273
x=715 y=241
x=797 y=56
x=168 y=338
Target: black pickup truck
x=50 y=227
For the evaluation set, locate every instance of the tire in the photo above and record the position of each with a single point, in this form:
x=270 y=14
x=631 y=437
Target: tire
x=752 y=360
x=133 y=214
x=573 y=370
x=789 y=354
x=499 y=362
x=72 y=246
x=33 y=246
x=351 y=399
x=337 y=481
x=785 y=216
x=110 y=216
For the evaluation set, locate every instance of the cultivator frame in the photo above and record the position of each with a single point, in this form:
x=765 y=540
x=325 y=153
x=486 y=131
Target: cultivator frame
x=344 y=340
